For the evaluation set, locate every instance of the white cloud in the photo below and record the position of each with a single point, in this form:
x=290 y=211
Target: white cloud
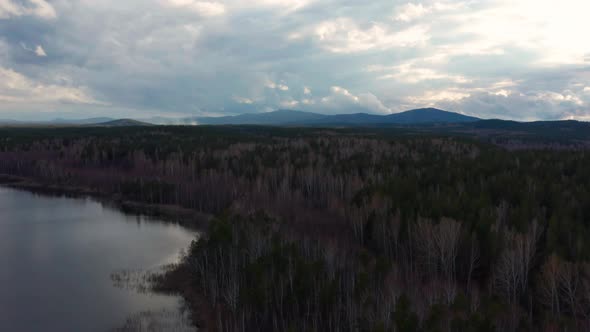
x=8 y=8
x=289 y=103
x=306 y=90
x=507 y=83
x=337 y=90
x=527 y=106
x=503 y=92
x=587 y=89
x=412 y=74
x=557 y=97
x=371 y=102
x=410 y=12
x=242 y=100
x=40 y=8
x=540 y=26
x=344 y=35
x=290 y=5
x=455 y=95
x=279 y=86
x=431 y=98
x=494 y=27
x=342 y=100
x=203 y=8
x=19 y=89
x=39 y=51
x=43 y=9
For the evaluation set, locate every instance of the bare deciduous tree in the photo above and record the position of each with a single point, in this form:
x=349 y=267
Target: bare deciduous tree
x=437 y=245
x=548 y=289
x=511 y=275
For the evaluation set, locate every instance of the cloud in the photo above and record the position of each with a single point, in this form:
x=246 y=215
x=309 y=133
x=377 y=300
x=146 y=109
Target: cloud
x=242 y=100
x=39 y=51
x=289 y=103
x=410 y=73
x=279 y=86
x=340 y=91
x=344 y=35
x=16 y=88
x=289 y=5
x=505 y=98
x=520 y=106
x=432 y=98
x=197 y=57
x=341 y=100
x=39 y=8
x=410 y=12
x=203 y=8
x=546 y=29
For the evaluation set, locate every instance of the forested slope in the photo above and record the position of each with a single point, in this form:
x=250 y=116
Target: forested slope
x=349 y=230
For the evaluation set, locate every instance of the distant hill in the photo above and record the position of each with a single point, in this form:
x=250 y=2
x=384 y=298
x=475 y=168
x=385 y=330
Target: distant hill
x=121 y=123
x=429 y=115
x=348 y=119
x=417 y=116
x=9 y=122
x=287 y=117
x=61 y=121
x=280 y=117
x=92 y=122
x=423 y=116
x=161 y=120
x=276 y=118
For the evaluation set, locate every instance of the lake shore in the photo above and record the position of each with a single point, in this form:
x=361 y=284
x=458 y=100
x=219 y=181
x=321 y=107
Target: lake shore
x=176 y=278
x=172 y=213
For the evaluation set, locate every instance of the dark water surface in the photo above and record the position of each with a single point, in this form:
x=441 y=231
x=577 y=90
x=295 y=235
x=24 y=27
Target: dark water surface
x=57 y=256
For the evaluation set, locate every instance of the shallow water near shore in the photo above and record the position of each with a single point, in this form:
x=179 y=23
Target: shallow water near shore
x=57 y=260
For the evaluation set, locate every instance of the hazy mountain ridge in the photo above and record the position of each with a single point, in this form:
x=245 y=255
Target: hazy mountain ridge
x=122 y=123
x=81 y=121
x=288 y=117
x=280 y=117
x=424 y=119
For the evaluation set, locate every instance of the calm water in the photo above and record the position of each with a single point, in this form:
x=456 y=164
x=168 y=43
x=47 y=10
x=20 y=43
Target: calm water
x=56 y=260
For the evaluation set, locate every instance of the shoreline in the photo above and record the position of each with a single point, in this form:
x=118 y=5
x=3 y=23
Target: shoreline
x=173 y=280
x=188 y=218
x=176 y=280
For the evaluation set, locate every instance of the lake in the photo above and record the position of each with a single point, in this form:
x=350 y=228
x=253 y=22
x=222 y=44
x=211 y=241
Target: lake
x=57 y=256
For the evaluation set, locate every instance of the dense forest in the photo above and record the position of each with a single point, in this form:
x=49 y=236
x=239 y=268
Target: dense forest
x=348 y=229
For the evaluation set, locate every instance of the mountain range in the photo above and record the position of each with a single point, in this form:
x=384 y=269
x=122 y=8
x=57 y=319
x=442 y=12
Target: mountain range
x=289 y=117
x=512 y=134
x=418 y=118
x=276 y=118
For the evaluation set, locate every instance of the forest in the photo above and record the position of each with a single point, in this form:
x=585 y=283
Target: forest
x=371 y=229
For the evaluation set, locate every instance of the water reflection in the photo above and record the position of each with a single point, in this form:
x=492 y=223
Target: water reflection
x=57 y=256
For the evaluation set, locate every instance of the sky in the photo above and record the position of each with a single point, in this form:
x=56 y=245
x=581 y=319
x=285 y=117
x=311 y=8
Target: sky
x=512 y=59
